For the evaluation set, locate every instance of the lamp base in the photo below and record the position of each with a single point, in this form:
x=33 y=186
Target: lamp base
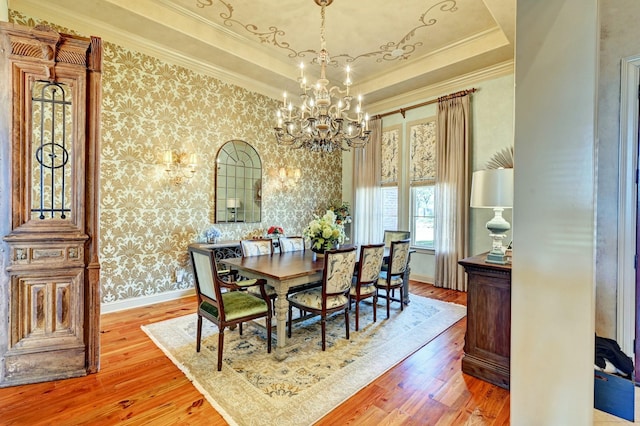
x=496 y=258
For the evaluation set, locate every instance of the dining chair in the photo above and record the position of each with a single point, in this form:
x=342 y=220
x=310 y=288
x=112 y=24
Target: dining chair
x=332 y=296
x=288 y=244
x=222 y=302
x=367 y=273
x=259 y=247
x=393 y=235
x=392 y=278
x=256 y=247
x=390 y=236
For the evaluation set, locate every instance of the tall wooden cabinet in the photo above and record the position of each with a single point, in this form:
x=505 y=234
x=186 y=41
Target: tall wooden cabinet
x=50 y=95
x=487 y=342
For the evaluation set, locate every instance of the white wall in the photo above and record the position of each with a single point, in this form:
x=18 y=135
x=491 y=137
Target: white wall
x=552 y=328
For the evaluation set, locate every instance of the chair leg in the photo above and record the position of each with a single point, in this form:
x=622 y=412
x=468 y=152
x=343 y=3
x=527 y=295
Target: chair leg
x=375 y=306
x=388 y=302
x=346 y=321
x=220 y=344
x=199 y=334
x=357 y=314
x=323 y=323
x=401 y=299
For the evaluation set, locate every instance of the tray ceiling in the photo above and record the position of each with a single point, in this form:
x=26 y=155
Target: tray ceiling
x=391 y=47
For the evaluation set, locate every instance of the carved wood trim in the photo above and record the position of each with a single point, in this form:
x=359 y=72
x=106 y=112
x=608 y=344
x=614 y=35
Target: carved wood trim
x=49 y=280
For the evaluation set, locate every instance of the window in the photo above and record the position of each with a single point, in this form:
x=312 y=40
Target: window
x=422 y=209
x=422 y=174
x=390 y=207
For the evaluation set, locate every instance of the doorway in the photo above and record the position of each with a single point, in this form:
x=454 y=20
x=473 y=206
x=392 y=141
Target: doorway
x=628 y=299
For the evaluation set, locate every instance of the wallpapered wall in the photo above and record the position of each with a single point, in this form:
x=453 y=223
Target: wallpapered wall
x=146 y=223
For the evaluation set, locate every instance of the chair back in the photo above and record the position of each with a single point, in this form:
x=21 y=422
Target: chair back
x=256 y=247
x=291 y=244
x=390 y=236
x=205 y=274
x=399 y=257
x=370 y=263
x=339 y=266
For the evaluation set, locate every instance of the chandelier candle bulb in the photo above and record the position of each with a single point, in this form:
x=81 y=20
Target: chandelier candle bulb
x=167 y=157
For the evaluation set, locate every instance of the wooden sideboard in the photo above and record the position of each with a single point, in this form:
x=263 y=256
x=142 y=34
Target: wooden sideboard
x=487 y=344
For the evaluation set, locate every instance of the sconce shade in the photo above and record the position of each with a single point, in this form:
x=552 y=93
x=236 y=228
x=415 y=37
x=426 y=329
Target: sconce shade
x=233 y=203
x=492 y=188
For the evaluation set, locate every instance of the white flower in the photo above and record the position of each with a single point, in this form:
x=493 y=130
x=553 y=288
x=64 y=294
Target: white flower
x=324 y=232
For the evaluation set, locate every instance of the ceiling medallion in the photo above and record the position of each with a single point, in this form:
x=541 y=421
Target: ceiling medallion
x=322 y=123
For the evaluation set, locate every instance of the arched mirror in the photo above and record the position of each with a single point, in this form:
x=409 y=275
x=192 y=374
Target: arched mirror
x=238 y=183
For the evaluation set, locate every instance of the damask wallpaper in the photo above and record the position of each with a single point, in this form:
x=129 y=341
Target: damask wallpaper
x=147 y=222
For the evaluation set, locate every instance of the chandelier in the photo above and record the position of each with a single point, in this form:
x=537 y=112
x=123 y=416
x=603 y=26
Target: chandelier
x=322 y=122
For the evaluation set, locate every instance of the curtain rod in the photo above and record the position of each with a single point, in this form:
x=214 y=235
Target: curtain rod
x=432 y=101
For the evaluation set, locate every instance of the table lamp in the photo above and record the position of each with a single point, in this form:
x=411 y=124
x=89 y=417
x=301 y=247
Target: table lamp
x=493 y=188
x=233 y=204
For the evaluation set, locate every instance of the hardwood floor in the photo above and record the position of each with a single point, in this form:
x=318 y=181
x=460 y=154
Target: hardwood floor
x=137 y=384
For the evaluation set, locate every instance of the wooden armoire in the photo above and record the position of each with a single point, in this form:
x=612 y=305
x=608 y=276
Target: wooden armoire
x=50 y=96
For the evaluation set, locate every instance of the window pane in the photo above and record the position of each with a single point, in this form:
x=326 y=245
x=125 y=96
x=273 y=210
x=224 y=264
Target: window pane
x=422 y=200
x=390 y=207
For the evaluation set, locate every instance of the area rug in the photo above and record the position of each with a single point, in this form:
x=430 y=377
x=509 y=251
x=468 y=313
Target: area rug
x=254 y=388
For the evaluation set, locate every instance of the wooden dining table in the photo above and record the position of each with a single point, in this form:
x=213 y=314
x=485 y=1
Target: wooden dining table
x=282 y=271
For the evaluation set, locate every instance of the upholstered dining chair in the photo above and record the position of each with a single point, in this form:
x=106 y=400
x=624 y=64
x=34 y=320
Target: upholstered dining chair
x=222 y=303
x=392 y=235
x=291 y=244
x=256 y=247
x=391 y=279
x=259 y=247
x=368 y=272
x=332 y=296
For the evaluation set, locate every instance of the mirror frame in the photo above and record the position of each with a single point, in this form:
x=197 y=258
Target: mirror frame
x=238 y=183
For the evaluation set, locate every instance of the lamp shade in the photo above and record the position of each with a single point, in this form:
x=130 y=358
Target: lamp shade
x=233 y=203
x=492 y=188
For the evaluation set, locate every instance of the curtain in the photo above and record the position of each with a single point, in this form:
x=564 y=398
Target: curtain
x=367 y=211
x=452 y=191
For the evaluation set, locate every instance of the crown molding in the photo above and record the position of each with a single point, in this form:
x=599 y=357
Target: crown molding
x=89 y=26
x=441 y=88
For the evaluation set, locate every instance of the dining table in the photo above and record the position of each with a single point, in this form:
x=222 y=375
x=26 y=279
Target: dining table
x=284 y=271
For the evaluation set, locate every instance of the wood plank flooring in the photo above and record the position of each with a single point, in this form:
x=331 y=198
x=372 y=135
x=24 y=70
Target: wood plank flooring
x=138 y=385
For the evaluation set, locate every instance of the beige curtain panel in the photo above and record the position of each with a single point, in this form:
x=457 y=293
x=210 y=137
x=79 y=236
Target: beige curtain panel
x=452 y=191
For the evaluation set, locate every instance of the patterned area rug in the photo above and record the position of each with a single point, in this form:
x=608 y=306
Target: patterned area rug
x=253 y=388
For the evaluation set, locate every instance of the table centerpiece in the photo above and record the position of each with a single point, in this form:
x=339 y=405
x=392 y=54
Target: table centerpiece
x=324 y=232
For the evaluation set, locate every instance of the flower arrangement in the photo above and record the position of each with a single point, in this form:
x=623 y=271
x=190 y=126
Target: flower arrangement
x=212 y=234
x=324 y=232
x=275 y=230
x=342 y=211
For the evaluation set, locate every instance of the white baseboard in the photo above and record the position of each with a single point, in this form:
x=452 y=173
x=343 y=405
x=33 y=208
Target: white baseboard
x=421 y=278
x=137 y=302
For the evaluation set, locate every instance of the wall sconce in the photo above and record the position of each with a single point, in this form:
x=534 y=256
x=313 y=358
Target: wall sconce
x=179 y=165
x=288 y=177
